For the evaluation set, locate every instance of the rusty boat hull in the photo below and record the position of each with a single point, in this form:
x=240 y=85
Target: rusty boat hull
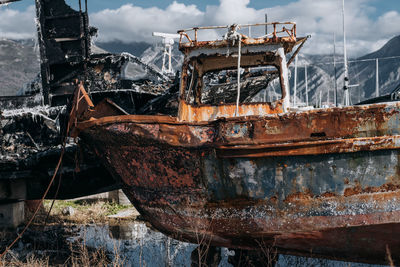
x=317 y=183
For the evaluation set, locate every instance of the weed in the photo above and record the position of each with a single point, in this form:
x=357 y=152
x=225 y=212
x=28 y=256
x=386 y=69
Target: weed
x=84 y=212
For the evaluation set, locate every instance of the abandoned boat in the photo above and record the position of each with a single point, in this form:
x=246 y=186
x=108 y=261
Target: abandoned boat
x=245 y=174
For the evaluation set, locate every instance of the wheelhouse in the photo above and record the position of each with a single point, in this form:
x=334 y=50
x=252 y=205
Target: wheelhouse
x=221 y=78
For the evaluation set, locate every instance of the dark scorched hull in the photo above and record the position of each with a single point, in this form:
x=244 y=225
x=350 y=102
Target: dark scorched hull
x=322 y=183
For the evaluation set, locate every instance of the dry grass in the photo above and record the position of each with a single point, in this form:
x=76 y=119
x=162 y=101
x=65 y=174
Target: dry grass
x=31 y=261
x=84 y=257
x=79 y=256
x=83 y=212
x=389 y=257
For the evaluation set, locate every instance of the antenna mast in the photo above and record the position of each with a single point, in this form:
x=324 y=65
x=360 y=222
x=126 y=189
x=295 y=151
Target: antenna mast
x=346 y=68
x=306 y=78
x=295 y=82
x=168 y=41
x=334 y=67
x=377 y=78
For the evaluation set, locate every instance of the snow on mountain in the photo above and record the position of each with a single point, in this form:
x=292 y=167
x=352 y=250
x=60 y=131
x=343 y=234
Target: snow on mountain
x=19 y=65
x=362 y=75
x=155 y=53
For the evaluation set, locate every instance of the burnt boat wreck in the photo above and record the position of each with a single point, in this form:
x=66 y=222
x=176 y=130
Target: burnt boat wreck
x=202 y=155
x=33 y=124
x=241 y=172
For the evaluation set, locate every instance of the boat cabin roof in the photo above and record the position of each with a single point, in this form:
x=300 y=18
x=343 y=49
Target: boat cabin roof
x=282 y=35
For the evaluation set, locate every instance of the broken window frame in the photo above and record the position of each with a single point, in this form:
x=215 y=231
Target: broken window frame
x=192 y=87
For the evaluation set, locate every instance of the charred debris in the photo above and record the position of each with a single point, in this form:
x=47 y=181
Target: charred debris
x=32 y=125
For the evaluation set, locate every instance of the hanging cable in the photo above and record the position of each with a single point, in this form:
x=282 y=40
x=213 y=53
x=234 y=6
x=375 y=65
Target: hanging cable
x=238 y=75
x=58 y=166
x=233 y=35
x=39 y=204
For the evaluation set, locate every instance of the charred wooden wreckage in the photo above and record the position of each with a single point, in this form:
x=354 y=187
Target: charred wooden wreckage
x=241 y=174
x=32 y=124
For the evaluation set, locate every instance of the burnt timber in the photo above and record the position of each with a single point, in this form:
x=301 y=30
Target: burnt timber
x=33 y=125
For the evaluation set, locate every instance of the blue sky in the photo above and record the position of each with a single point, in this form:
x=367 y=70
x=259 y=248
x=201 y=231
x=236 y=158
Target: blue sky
x=370 y=23
x=381 y=6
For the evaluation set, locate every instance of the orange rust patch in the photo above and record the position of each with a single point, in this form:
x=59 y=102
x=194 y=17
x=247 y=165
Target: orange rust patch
x=201 y=113
x=353 y=191
x=328 y=194
x=299 y=197
x=389 y=187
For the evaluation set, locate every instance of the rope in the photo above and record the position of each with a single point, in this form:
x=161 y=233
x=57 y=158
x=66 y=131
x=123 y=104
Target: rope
x=238 y=77
x=38 y=206
x=45 y=193
x=233 y=35
x=55 y=196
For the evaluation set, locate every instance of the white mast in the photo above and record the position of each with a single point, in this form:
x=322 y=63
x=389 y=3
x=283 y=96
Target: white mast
x=295 y=82
x=334 y=66
x=168 y=41
x=377 y=79
x=320 y=98
x=346 y=69
x=306 y=78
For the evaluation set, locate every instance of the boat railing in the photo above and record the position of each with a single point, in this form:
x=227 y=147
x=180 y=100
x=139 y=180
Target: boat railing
x=280 y=29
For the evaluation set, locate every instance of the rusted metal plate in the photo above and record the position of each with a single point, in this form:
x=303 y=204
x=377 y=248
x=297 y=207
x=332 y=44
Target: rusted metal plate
x=338 y=130
x=210 y=112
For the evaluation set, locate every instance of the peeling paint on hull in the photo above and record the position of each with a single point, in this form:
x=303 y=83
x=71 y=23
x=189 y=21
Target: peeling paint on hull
x=193 y=180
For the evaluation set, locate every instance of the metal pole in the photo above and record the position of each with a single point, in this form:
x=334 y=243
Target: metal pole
x=266 y=26
x=334 y=66
x=377 y=79
x=163 y=60
x=320 y=98
x=305 y=74
x=328 y=97
x=295 y=82
x=170 y=59
x=238 y=76
x=346 y=69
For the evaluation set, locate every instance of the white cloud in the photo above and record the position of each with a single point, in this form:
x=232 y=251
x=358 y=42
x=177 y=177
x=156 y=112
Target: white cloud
x=17 y=24
x=131 y=23
x=318 y=18
x=388 y=23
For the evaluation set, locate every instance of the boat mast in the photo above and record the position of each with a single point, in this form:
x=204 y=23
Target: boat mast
x=295 y=82
x=346 y=69
x=377 y=79
x=266 y=25
x=334 y=67
x=306 y=78
x=168 y=41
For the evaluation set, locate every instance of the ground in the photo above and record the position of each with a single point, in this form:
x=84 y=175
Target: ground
x=47 y=241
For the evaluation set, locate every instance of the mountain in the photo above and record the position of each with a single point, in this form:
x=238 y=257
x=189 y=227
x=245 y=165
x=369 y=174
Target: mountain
x=153 y=55
x=362 y=73
x=321 y=73
x=135 y=48
x=19 y=65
